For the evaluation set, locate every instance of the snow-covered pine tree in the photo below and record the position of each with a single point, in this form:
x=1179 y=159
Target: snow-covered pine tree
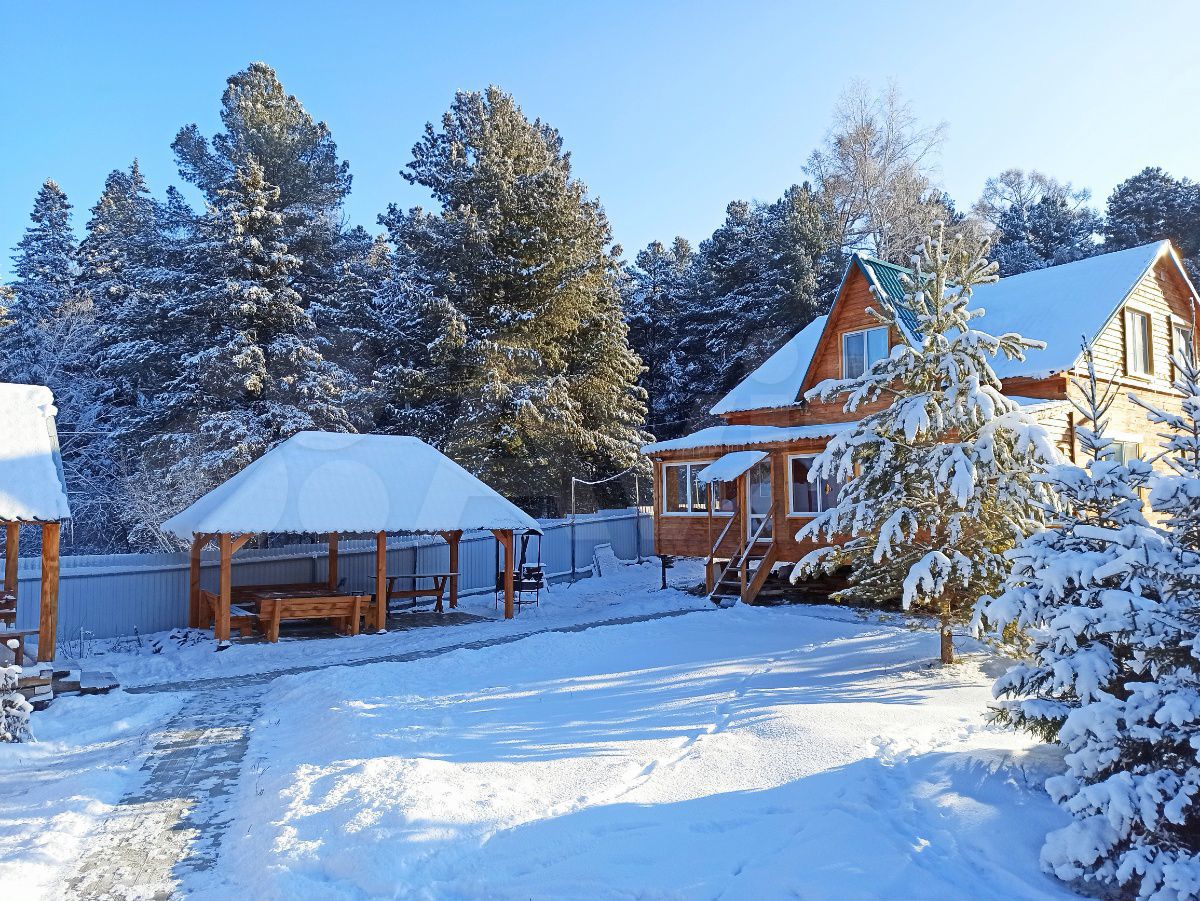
x=250 y=374
x=1069 y=604
x=14 y=708
x=50 y=325
x=532 y=367
x=659 y=287
x=1059 y=228
x=1151 y=206
x=939 y=484
x=1132 y=784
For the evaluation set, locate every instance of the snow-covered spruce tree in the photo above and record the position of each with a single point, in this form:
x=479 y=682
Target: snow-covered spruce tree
x=51 y=323
x=1071 y=603
x=1132 y=784
x=250 y=374
x=939 y=483
x=531 y=379
x=14 y=708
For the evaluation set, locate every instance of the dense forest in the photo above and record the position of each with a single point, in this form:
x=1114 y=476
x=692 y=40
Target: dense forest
x=503 y=325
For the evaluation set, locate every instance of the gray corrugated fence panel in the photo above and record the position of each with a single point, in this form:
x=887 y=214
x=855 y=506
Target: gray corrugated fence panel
x=109 y=595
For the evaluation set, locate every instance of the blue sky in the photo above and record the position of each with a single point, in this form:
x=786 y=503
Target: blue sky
x=670 y=109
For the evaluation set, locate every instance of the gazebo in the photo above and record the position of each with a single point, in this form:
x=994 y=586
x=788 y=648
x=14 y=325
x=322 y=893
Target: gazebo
x=32 y=492
x=337 y=484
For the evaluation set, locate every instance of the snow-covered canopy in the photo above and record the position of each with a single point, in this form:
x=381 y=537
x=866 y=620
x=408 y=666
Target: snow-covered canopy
x=335 y=482
x=730 y=466
x=1059 y=305
x=777 y=382
x=740 y=435
x=32 y=488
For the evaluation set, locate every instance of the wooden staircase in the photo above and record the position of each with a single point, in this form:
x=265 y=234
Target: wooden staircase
x=741 y=575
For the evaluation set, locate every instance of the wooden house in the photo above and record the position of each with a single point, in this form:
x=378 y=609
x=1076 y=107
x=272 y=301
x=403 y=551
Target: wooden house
x=1137 y=308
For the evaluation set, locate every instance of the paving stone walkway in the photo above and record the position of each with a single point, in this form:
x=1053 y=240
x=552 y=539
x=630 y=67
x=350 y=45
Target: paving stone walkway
x=172 y=827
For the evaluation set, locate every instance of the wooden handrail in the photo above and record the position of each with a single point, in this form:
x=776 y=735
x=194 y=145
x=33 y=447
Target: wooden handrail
x=712 y=554
x=755 y=537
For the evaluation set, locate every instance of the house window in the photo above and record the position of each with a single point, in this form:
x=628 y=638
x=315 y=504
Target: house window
x=1137 y=343
x=1125 y=451
x=861 y=349
x=682 y=491
x=1181 y=341
x=808 y=498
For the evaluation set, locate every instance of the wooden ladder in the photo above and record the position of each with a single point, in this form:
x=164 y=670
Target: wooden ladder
x=745 y=572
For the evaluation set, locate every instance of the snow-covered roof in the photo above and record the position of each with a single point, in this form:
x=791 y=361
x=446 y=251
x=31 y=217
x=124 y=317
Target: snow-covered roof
x=730 y=466
x=336 y=482
x=777 y=382
x=1059 y=305
x=737 y=435
x=32 y=487
x=1038 y=406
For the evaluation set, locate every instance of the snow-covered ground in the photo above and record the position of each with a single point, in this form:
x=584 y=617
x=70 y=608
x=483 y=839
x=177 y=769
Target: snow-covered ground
x=54 y=792
x=766 y=753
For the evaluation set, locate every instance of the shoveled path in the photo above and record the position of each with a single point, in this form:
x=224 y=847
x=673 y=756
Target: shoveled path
x=174 y=824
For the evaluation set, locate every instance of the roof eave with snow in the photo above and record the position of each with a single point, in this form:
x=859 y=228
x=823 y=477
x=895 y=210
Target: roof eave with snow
x=353 y=484
x=32 y=485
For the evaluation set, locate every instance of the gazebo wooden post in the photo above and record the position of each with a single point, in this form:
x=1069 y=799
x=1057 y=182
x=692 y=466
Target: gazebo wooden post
x=12 y=537
x=333 y=561
x=452 y=540
x=48 y=623
x=221 y=626
x=381 y=586
x=504 y=538
x=708 y=563
x=195 y=614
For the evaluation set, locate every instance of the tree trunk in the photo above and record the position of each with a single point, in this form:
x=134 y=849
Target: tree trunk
x=947 y=635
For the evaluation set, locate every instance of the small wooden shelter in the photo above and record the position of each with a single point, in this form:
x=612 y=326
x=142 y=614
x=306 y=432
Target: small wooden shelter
x=32 y=493
x=342 y=484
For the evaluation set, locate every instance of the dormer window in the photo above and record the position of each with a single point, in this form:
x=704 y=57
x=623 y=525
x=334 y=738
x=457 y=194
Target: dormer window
x=861 y=349
x=1138 y=357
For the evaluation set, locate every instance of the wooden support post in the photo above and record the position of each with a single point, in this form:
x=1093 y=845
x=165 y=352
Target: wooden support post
x=504 y=538
x=12 y=537
x=333 y=564
x=452 y=540
x=195 y=614
x=48 y=617
x=381 y=583
x=225 y=596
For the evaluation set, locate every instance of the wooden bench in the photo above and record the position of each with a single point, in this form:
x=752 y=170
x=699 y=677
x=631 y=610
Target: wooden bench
x=345 y=610
x=241 y=618
x=8 y=609
x=19 y=636
x=437 y=590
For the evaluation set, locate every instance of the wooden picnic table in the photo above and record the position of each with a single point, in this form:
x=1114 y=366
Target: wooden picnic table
x=265 y=606
x=437 y=590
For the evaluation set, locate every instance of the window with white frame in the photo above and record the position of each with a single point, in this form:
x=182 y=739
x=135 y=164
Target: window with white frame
x=861 y=349
x=1125 y=451
x=1138 y=349
x=807 y=498
x=682 y=491
x=1181 y=341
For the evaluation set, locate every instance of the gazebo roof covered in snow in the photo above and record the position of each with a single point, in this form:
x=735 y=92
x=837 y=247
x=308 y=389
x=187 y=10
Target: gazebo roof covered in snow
x=337 y=482
x=32 y=487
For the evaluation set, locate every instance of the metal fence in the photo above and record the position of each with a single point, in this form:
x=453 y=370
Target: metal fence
x=112 y=595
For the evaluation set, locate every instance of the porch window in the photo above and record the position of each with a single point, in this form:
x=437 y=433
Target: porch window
x=682 y=492
x=1138 y=359
x=808 y=498
x=861 y=349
